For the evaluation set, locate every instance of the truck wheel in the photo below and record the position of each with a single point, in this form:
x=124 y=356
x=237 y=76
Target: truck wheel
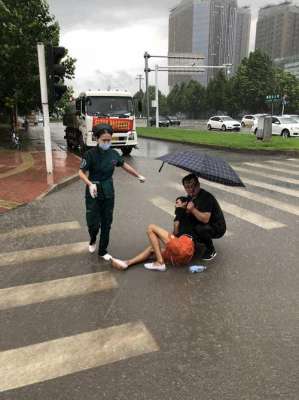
x=126 y=150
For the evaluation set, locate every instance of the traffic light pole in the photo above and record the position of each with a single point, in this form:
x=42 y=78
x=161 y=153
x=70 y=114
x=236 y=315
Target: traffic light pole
x=45 y=106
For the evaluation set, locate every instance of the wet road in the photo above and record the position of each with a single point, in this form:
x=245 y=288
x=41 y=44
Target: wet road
x=72 y=328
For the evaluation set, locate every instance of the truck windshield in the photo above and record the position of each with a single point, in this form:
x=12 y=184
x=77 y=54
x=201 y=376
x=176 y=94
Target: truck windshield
x=110 y=106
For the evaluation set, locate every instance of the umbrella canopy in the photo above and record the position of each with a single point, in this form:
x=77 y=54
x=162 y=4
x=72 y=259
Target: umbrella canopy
x=214 y=169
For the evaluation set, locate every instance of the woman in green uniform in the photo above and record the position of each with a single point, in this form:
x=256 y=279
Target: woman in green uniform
x=100 y=163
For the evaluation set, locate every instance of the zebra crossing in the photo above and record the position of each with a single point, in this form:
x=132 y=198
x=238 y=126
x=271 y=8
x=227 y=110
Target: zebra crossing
x=270 y=170
x=39 y=362
x=61 y=356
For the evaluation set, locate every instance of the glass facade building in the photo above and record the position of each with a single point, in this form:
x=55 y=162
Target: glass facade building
x=206 y=28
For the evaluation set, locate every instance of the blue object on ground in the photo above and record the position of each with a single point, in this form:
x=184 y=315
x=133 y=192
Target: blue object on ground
x=197 y=268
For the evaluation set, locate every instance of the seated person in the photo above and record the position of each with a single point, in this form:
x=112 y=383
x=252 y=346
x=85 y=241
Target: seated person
x=178 y=247
x=206 y=213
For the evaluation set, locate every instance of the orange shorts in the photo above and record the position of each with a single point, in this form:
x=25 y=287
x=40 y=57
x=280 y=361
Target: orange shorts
x=179 y=250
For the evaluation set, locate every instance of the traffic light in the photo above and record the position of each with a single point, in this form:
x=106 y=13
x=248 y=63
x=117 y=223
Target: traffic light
x=55 y=73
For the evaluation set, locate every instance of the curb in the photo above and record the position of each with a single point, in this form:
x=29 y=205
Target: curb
x=55 y=188
x=58 y=186
x=289 y=153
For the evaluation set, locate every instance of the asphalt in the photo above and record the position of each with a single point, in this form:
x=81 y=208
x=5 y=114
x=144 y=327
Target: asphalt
x=230 y=333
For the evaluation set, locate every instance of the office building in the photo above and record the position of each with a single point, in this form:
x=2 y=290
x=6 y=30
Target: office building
x=277 y=32
x=242 y=36
x=205 y=27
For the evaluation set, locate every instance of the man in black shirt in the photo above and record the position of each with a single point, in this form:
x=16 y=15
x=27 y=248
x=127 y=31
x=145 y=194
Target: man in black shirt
x=207 y=216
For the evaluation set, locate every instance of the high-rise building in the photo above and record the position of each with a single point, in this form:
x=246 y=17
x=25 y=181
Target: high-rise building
x=205 y=27
x=277 y=32
x=242 y=36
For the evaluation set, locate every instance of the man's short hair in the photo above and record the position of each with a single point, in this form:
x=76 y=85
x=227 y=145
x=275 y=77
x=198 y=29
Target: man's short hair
x=183 y=199
x=189 y=178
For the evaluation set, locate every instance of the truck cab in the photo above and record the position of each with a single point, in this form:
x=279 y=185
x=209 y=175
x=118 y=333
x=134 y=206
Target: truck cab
x=114 y=107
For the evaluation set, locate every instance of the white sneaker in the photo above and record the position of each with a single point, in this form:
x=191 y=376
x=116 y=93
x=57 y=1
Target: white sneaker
x=107 y=257
x=92 y=248
x=155 y=267
x=119 y=264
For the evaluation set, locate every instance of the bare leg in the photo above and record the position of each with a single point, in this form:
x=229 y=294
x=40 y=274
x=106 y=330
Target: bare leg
x=141 y=257
x=155 y=234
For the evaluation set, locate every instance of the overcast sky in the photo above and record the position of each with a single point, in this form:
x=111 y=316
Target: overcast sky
x=109 y=38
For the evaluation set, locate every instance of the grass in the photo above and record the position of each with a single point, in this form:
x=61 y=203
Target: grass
x=231 y=140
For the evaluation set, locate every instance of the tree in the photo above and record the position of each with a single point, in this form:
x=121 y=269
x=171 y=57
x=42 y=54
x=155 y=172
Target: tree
x=217 y=93
x=254 y=79
x=22 y=25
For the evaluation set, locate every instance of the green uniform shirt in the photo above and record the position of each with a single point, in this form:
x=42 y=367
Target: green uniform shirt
x=100 y=164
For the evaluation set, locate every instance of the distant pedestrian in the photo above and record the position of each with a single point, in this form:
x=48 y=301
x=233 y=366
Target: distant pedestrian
x=99 y=163
x=206 y=215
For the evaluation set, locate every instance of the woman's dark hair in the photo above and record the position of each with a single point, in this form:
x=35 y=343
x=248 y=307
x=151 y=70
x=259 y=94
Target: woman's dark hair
x=190 y=177
x=101 y=129
x=183 y=199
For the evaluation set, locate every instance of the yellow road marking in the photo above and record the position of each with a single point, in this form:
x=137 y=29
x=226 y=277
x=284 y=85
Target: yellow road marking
x=9 y=204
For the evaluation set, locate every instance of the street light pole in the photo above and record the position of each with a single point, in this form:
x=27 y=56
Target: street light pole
x=146 y=70
x=157 y=95
x=139 y=77
x=44 y=98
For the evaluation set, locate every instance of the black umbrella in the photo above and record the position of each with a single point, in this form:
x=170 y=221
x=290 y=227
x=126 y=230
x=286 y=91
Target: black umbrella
x=214 y=169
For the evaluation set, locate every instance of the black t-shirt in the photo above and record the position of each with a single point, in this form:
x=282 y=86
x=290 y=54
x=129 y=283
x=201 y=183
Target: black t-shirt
x=186 y=222
x=206 y=202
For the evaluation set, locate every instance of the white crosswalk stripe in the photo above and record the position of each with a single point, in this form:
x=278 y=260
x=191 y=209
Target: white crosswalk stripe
x=283 y=163
x=40 y=230
x=40 y=362
x=273 y=188
x=51 y=290
x=43 y=253
x=244 y=214
x=268 y=201
x=270 y=168
x=266 y=175
x=44 y=361
x=294 y=160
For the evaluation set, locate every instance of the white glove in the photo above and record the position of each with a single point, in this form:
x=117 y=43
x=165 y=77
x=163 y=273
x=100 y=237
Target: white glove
x=141 y=178
x=93 y=190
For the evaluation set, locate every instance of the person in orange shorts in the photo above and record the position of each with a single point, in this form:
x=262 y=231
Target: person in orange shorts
x=177 y=248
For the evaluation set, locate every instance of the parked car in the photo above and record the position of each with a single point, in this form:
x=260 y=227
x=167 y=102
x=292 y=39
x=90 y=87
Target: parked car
x=282 y=125
x=40 y=119
x=294 y=116
x=163 y=122
x=173 y=120
x=248 y=120
x=224 y=123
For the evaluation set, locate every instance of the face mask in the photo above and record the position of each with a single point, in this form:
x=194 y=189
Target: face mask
x=105 y=146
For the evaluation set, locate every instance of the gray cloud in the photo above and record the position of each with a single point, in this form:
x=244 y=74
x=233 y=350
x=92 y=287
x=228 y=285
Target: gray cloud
x=91 y=14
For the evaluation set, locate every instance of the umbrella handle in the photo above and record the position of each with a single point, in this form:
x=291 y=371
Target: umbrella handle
x=161 y=167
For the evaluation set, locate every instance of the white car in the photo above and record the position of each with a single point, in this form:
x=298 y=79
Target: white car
x=282 y=125
x=294 y=116
x=249 y=119
x=223 y=122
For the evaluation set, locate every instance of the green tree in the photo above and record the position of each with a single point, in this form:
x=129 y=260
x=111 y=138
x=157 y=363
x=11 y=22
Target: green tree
x=217 y=93
x=22 y=25
x=254 y=79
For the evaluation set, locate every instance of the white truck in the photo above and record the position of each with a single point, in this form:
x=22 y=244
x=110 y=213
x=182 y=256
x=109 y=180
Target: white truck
x=114 y=107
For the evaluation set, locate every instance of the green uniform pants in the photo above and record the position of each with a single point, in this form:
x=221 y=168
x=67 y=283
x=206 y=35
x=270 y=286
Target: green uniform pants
x=99 y=215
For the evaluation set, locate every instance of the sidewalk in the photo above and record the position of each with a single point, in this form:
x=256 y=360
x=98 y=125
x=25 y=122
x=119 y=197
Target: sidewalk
x=23 y=176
